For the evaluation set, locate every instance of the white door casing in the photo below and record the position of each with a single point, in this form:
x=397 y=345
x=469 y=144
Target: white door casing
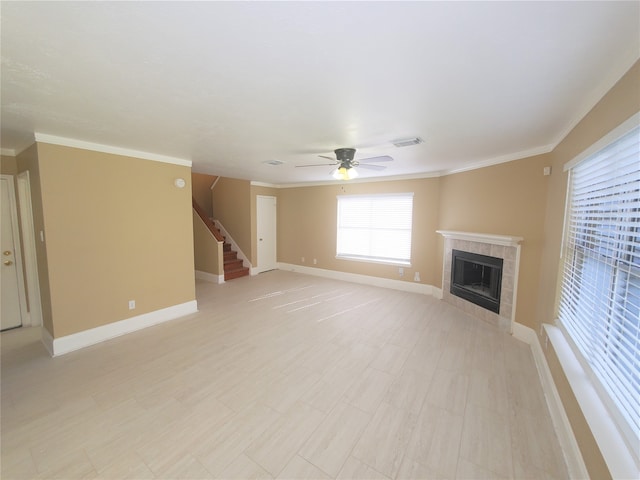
x=266 y=230
x=14 y=307
x=25 y=212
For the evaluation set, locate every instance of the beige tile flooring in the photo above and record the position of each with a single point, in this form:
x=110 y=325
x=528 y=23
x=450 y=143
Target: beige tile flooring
x=282 y=375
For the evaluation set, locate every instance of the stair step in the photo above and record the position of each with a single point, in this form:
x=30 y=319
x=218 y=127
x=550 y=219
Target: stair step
x=237 y=273
x=230 y=255
x=233 y=264
x=226 y=247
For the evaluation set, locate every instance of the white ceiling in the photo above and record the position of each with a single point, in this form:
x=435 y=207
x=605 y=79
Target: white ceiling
x=231 y=85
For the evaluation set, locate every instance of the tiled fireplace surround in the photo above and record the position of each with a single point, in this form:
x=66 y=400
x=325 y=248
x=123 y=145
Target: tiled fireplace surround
x=500 y=246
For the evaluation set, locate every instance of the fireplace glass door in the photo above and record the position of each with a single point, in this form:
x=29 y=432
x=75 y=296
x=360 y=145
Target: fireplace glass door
x=477 y=278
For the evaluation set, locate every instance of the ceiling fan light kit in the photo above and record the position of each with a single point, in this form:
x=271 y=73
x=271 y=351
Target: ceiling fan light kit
x=344 y=173
x=345 y=163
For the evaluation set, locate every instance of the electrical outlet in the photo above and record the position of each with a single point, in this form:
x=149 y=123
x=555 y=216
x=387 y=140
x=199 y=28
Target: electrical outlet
x=132 y=304
x=315 y=261
x=416 y=277
x=302 y=260
x=401 y=271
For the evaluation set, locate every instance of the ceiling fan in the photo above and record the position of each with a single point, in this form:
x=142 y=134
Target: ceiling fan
x=345 y=163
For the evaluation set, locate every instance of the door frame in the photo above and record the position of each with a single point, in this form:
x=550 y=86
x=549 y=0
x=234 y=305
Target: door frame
x=17 y=250
x=261 y=268
x=25 y=209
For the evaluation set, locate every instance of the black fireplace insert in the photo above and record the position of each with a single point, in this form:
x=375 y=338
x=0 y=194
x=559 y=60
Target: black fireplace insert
x=477 y=278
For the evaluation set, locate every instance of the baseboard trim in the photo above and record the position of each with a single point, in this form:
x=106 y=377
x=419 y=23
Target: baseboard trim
x=566 y=437
x=76 y=341
x=47 y=340
x=258 y=270
x=362 y=279
x=209 y=277
x=524 y=334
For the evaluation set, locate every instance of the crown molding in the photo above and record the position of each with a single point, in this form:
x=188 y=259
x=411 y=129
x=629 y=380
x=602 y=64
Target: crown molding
x=512 y=157
x=597 y=94
x=9 y=152
x=260 y=184
x=417 y=176
x=394 y=178
x=97 y=147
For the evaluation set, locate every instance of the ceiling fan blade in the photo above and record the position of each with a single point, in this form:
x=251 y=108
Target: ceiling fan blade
x=371 y=167
x=316 y=165
x=327 y=157
x=382 y=158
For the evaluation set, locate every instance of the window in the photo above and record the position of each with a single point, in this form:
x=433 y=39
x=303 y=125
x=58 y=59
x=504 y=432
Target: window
x=375 y=228
x=600 y=293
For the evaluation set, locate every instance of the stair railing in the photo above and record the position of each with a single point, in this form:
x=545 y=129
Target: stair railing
x=207 y=221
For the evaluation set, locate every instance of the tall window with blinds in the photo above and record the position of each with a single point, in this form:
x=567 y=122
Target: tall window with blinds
x=375 y=228
x=600 y=296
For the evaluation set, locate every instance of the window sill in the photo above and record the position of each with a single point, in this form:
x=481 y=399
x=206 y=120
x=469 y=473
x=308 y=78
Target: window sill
x=396 y=263
x=614 y=449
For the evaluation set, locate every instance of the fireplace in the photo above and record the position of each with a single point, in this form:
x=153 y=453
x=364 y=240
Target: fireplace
x=477 y=278
x=500 y=289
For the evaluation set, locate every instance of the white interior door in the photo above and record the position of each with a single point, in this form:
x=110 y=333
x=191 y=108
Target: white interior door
x=13 y=305
x=266 y=226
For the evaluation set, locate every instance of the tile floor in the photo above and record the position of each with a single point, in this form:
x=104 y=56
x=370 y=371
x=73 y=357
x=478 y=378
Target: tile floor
x=282 y=375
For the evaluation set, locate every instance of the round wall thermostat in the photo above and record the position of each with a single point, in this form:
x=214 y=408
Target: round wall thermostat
x=179 y=182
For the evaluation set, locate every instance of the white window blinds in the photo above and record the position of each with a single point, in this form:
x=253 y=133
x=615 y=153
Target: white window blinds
x=600 y=297
x=375 y=228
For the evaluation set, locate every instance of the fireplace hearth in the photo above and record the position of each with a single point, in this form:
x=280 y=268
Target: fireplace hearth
x=477 y=278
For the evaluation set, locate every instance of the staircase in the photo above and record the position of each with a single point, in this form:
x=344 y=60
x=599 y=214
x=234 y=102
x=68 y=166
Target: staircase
x=233 y=266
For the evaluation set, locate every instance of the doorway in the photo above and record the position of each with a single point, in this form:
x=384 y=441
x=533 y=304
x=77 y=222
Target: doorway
x=14 y=306
x=266 y=230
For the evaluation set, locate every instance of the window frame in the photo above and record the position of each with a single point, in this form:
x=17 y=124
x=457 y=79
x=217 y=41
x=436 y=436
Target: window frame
x=628 y=435
x=374 y=259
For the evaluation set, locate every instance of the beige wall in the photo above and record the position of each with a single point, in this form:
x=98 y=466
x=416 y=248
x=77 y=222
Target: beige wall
x=622 y=101
x=232 y=206
x=307 y=219
x=116 y=229
x=8 y=165
x=505 y=199
x=208 y=255
x=201 y=191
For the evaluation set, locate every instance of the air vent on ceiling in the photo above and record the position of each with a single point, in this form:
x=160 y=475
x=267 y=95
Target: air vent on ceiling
x=407 y=142
x=275 y=163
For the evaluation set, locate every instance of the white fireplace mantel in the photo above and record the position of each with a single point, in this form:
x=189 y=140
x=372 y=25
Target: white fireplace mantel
x=504 y=240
